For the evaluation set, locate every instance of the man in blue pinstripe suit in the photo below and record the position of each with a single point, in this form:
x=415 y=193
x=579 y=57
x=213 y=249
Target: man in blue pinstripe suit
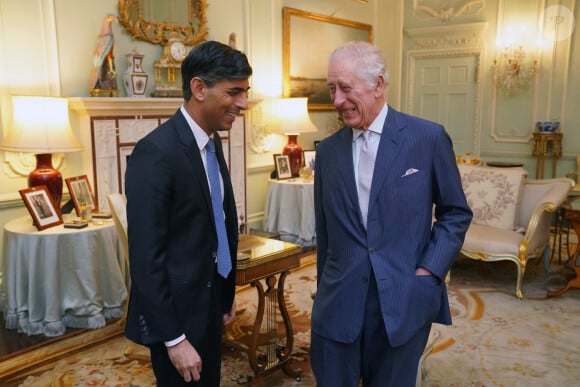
x=380 y=268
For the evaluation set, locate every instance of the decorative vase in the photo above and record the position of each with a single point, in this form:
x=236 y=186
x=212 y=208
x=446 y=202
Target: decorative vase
x=135 y=78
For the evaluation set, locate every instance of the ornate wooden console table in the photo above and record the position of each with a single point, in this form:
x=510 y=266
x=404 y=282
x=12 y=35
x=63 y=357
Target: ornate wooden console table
x=260 y=261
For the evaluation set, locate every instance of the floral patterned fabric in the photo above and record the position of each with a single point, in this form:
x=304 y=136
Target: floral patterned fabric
x=493 y=194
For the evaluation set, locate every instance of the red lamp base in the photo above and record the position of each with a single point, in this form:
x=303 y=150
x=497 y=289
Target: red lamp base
x=45 y=174
x=294 y=152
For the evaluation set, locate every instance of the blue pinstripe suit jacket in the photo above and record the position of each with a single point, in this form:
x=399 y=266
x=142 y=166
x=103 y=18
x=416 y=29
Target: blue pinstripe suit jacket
x=400 y=236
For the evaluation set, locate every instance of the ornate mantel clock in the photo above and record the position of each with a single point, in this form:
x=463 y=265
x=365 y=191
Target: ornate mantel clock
x=168 y=70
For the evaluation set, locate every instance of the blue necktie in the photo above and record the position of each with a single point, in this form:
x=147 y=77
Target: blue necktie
x=224 y=263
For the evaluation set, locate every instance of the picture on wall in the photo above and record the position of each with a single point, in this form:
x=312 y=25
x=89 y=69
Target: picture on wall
x=308 y=41
x=41 y=206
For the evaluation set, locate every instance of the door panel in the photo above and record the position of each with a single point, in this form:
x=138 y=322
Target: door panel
x=445 y=92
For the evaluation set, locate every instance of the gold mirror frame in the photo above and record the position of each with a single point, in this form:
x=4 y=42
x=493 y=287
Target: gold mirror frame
x=131 y=17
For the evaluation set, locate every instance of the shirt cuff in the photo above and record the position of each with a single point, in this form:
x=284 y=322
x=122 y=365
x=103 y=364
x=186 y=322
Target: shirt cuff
x=174 y=342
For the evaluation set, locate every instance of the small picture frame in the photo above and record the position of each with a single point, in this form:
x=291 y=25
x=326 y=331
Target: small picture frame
x=81 y=193
x=282 y=163
x=41 y=206
x=309 y=156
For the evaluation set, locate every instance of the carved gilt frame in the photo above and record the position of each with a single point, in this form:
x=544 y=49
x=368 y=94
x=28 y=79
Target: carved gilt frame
x=308 y=40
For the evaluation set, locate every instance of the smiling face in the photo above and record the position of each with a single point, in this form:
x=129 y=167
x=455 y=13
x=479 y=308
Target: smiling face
x=354 y=99
x=216 y=108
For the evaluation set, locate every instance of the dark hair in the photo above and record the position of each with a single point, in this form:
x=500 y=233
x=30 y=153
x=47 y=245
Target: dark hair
x=212 y=62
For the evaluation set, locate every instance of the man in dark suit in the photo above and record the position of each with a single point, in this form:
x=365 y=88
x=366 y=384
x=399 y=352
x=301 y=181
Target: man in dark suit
x=179 y=301
x=381 y=259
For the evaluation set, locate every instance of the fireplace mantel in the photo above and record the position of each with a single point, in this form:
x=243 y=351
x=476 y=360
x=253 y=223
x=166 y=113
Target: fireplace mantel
x=110 y=127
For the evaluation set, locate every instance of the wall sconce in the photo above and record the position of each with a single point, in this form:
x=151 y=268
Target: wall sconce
x=291 y=119
x=513 y=69
x=40 y=125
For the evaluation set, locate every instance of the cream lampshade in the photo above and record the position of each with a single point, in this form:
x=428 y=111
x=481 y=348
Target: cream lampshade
x=40 y=125
x=291 y=117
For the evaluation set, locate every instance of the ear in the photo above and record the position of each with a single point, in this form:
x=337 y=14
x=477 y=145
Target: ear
x=197 y=88
x=380 y=86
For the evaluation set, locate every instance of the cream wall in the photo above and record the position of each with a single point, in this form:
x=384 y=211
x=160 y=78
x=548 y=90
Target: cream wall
x=46 y=48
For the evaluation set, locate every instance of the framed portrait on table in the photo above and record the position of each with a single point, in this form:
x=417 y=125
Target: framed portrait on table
x=81 y=193
x=41 y=206
x=308 y=37
x=282 y=163
x=309 y=156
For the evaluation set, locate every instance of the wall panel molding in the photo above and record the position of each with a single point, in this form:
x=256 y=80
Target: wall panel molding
x=450 y=10
x=457 y=35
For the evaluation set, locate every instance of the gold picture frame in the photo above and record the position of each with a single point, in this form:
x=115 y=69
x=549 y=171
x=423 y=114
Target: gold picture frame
x=81 y=193
x=309 y=39
x=41 y=206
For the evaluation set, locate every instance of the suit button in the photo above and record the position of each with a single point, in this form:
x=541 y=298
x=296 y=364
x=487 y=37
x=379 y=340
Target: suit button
x=214 y=254
x=209 y=284
x=365 y=280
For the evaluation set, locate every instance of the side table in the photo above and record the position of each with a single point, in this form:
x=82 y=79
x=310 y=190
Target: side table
x=61 y=277
x=571 y=212
x=546 y=145
x=290 y=211
x=260 y=261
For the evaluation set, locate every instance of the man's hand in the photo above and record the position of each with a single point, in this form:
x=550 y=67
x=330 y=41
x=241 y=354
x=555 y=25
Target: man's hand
x=229 y=317
x=186 y=360
x=422 y=271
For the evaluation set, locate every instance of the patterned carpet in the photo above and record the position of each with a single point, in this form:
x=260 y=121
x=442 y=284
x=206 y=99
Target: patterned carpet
x=496 y=339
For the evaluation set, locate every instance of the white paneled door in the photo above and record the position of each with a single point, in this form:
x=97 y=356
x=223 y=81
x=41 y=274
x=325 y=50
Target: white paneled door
x=444 y=90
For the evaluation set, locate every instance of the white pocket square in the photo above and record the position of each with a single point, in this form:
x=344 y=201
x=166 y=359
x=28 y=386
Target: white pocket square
x=410 y=171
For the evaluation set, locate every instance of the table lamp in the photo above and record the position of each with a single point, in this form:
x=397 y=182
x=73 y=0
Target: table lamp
x=292 y=119
x=40 y=125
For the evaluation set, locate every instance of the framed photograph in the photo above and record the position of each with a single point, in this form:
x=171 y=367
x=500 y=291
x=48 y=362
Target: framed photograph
x=81 y=193
x=308 y=37
x=308 y=157
x=282 y=163
x=41 y=206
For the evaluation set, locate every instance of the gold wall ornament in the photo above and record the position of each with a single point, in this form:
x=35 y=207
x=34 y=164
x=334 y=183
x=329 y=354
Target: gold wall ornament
x=131 y=16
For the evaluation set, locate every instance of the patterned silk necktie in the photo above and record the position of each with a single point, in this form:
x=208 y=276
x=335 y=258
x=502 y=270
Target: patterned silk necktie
x=366 y=164
x=224 y=263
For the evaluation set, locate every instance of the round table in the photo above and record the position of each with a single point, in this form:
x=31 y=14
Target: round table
x=290 y=210
x=571 y=212
x=61 y=277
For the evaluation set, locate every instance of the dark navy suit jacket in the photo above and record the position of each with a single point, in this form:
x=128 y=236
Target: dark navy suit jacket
x=172 y=236
x=401 y=234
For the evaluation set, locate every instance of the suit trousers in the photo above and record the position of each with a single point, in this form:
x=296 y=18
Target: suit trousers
x=209 y=350
x=370 y=357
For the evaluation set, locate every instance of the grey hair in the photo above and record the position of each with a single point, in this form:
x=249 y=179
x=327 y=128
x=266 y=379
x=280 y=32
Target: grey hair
x=370 y=60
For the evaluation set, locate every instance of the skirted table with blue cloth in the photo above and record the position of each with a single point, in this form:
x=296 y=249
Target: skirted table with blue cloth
x=290 y=211
x=61 y=277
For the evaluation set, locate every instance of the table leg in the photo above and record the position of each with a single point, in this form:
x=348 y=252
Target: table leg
x=540 y=167
x=265 y=353
x=575 y=282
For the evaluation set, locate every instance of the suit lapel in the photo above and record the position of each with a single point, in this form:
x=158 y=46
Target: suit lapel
x=192 y=152
x=228 y=190
x=345 y=164
x=388 y=151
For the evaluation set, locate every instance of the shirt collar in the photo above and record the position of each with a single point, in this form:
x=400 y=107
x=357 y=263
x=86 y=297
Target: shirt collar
x=201 y=137
x=376 y=126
